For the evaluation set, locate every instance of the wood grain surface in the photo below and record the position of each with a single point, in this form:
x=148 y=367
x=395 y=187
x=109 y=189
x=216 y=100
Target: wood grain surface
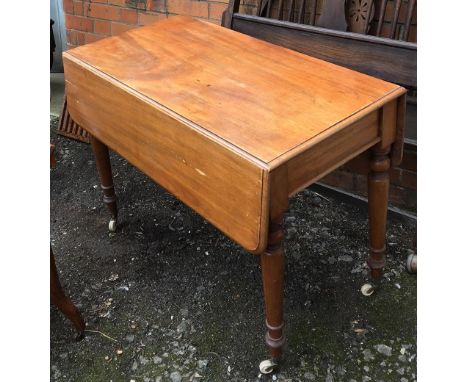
x=224 y=187
x=264 y=99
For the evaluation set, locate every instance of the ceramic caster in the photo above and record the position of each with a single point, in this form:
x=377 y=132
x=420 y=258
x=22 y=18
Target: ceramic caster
x=267 y=366
x=367 y=289
x=112 y=225
x=411 y=263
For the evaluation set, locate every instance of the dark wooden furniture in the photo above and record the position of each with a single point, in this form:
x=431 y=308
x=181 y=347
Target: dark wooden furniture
x=233 y=126
x=69 y=128
x=57 y=296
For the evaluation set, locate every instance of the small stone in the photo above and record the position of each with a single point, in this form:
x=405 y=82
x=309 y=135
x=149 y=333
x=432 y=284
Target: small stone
x=143 y=360
x=368 y=356
x=346 y=258
x=175 y=376
x=403 y=380
x=366 y=368
x=309 y=376
x=201 y=364
x=383 y=349
x=134 y=365
x=329 y=378
x=184 y=312
x=119 y=351
x=401 y=371
x=402 y=358
x=331 y=260
x=366 y=378
x=157 y=360
x=130 y=338
x=289 y=219
x=291 y=232
x=182 y=327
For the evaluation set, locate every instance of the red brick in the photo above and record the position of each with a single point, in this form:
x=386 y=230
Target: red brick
x=216 y=10
x=120 y=3
x=341 y=179
x=138 y=4
x=68 y=6
x=118 y=28
x=80 y=23
x=158 y=6
x=360 y=184
x=76 y=37
x=104 y=11
x=188 y=8
x=78 y=7
x=90 y=37
x=409 y=179
x=98 y=1
x=359 y=164
x=102 y=27
x=409 y=161
x=248 y=10
x=129 y=16
x=149 y=18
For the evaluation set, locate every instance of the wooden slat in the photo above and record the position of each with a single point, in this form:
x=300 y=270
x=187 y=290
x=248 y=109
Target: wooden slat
x=68 y=128
x=409 y=16
x=395 y=18
x=383 y=8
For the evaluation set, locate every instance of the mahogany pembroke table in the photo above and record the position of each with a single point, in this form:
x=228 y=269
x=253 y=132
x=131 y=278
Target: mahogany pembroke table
x=233 y=127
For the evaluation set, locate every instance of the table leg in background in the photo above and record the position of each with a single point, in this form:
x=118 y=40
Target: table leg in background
x=378 y=188
x=101 y=154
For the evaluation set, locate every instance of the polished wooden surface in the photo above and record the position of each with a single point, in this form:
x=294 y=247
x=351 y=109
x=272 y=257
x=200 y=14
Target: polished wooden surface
x=172 y=96
x=205 y=73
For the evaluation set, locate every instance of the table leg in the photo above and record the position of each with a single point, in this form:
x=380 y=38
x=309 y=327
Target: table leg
x=378 y=187
x=62 y=302
x=272 y=262
x=101 y=154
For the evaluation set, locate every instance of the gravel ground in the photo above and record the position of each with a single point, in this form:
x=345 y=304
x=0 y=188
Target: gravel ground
x=169 y=298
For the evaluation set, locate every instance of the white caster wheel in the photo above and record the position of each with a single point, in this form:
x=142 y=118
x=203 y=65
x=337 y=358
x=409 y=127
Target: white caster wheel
x=367 y=289
x=267 y=366
x=411 y=263
x=112 y=225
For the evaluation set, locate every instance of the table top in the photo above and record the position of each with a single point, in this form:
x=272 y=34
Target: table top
x=229 y=124
x=263 y=99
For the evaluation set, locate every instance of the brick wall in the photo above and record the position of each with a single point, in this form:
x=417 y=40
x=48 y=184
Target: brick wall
x=90 y=20
x=352 y=177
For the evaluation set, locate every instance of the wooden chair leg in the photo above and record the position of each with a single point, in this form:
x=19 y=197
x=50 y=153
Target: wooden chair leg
x=63 y=303
x=272 y=263
x=101 y=153
x=378 y=187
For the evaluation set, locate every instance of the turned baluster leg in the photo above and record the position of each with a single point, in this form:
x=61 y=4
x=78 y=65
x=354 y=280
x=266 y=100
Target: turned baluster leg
x=101 y=153
x=272 y=262
x=378 y=187
x=62 y=302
